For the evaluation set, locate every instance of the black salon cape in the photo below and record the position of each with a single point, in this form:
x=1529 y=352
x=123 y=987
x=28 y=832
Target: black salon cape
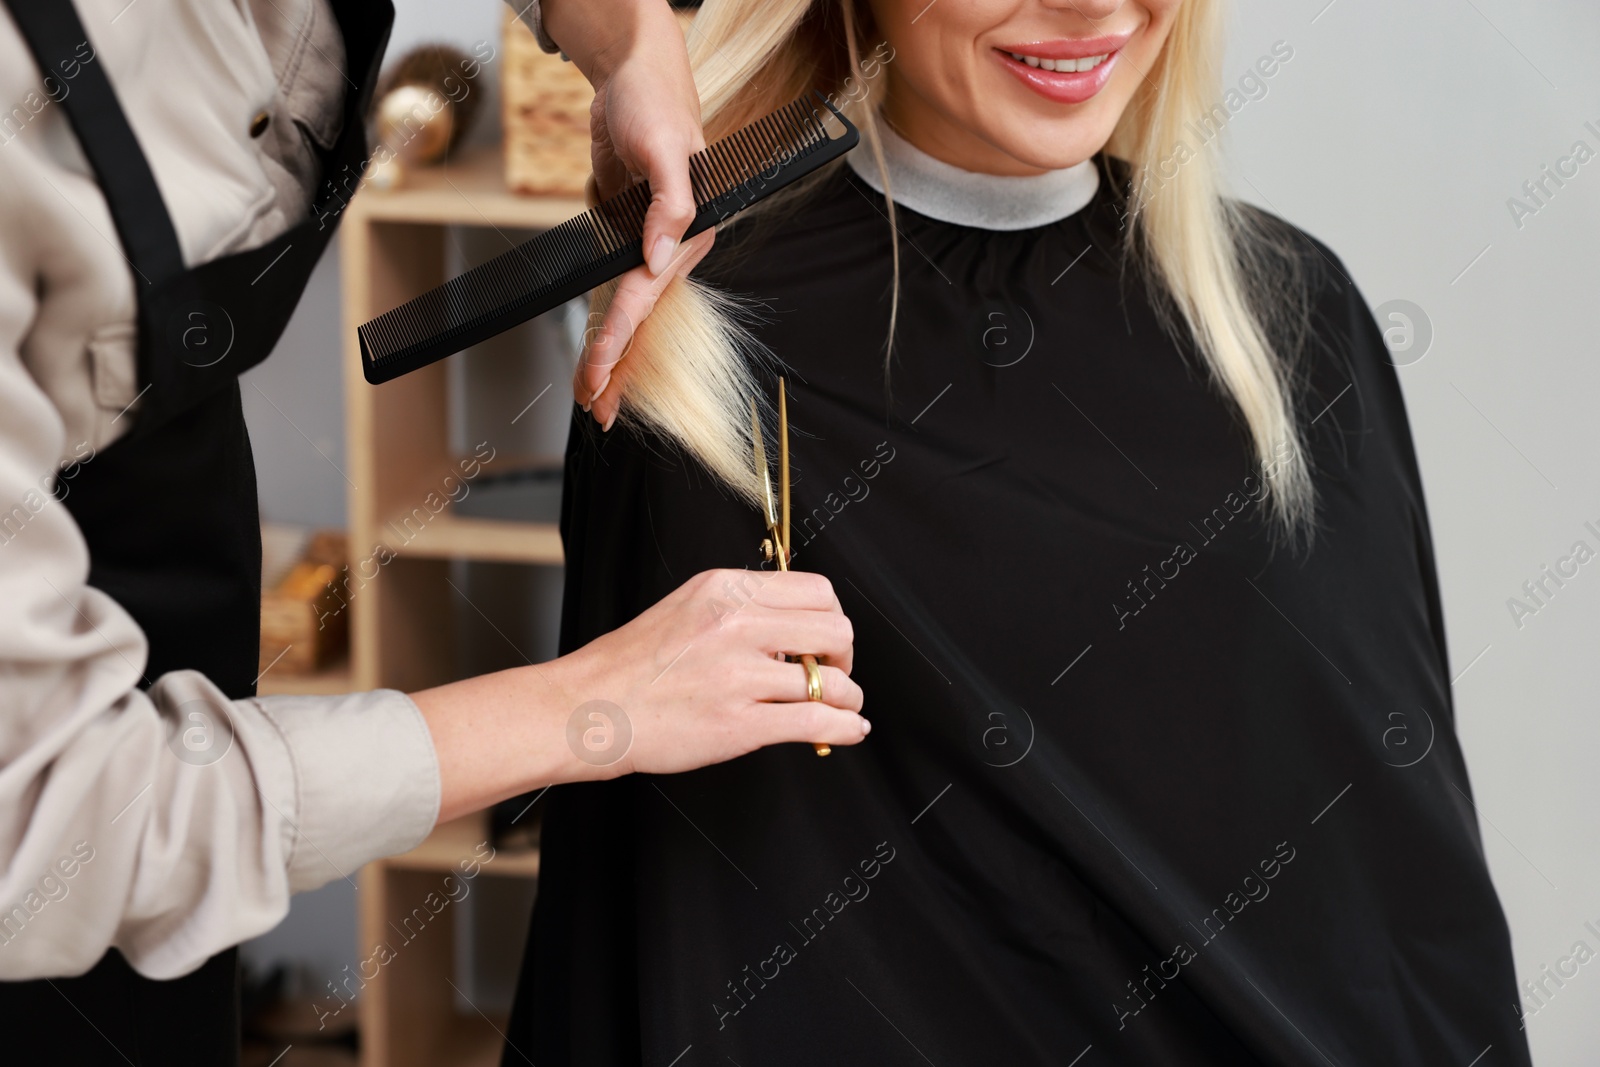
x=1141 y=786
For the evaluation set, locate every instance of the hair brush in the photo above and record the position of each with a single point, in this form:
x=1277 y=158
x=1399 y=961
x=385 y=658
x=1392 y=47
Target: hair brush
x=568 y=260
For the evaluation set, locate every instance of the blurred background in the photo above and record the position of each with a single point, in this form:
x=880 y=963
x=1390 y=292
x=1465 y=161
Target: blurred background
x=1447 y=150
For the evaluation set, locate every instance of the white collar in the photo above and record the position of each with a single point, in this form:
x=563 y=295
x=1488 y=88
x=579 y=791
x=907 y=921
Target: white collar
x=940 y=191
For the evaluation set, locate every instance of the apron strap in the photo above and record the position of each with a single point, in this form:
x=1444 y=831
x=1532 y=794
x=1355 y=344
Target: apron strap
x=54 y=34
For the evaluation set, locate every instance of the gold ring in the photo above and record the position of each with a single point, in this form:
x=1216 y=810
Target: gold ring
x=813 y=678
x=814 y=693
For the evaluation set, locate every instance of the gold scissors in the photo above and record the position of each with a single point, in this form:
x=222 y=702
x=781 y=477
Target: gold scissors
x=776 y=546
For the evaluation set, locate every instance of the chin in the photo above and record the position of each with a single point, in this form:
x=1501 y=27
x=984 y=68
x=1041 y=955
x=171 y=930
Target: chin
x=1051 y=145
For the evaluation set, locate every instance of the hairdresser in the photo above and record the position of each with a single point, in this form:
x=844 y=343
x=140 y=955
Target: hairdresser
x=160 y=172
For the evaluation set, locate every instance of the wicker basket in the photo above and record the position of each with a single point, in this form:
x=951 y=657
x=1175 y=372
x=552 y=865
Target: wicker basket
x=545 y=111
x=303 y=621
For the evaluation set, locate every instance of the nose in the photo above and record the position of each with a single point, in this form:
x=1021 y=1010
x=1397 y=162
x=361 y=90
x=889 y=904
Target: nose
x=1093 y=11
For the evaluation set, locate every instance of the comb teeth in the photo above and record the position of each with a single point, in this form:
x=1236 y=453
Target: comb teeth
x=600 y=244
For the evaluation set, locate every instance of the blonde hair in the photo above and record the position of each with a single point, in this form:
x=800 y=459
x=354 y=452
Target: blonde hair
x=1221 y=274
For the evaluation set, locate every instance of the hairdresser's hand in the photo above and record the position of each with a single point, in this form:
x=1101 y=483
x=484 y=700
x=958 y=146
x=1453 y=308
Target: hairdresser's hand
x=645 y=124
x=697 y=678
x=692 y=681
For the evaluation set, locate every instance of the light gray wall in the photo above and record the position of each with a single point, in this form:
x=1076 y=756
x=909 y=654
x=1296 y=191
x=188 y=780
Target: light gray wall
x=1396 y=134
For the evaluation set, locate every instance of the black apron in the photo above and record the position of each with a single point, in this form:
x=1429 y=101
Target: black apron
x=169 y=510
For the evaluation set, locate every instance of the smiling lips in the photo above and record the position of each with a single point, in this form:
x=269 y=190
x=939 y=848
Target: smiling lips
x=1065 y=71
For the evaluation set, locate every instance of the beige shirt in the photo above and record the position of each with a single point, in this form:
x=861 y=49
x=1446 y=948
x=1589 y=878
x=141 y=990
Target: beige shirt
x=118 y=826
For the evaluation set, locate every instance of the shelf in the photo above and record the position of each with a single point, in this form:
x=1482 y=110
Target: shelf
x=448 y=536
x=452 y=842
x=472 y=1041
x=332 y=679
x=394 y=246
x=468 y=192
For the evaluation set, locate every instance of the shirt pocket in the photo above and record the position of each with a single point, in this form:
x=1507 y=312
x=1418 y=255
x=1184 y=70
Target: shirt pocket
x=114 y=379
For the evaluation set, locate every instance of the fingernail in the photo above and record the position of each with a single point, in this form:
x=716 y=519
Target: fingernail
x=596 y=394
x=866 y=727
x=611 y=419
x=585 y=405
x=661 y=254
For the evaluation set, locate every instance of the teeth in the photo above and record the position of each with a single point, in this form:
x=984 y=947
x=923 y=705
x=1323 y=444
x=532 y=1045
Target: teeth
x=1061 y=66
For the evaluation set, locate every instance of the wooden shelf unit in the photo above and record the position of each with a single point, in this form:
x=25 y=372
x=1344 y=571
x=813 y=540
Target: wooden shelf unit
x=456 y=537
x=392 y=248
x=408 y=1013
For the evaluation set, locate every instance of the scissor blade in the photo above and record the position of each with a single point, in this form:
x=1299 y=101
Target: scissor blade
x=783 y=460
x=769 y=508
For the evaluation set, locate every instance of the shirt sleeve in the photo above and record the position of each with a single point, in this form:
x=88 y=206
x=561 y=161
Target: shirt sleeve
x=533 y=16
x=172 y=823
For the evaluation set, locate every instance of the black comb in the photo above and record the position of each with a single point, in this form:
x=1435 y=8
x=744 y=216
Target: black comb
x=570 y=259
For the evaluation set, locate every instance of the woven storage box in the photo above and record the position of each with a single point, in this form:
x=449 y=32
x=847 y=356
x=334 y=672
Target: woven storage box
x=303 y=621
x=545 y=111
